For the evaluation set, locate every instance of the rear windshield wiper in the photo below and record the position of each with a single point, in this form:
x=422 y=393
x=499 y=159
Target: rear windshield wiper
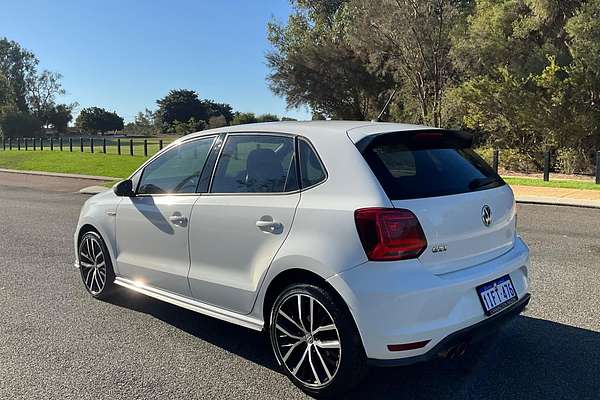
x=482 y=182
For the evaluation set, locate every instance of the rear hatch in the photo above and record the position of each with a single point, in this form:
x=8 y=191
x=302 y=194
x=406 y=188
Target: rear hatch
x=466 y=210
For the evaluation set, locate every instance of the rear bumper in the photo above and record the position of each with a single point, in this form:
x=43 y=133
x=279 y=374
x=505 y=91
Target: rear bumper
x=471 y=333
x=401 y=303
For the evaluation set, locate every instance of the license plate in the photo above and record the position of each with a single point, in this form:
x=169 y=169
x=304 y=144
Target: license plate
x=497 y=295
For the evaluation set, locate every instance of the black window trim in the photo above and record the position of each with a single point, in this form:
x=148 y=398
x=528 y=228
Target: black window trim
x=158 y=155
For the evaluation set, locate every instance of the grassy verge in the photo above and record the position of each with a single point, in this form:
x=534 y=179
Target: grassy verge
x=564 y=184
x=71 y=163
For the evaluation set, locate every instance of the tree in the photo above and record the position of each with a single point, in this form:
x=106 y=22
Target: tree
x=219 y=109
x=520 y=78
x=97 y=120
x=313 y=63
x=217 y=122
x=243 y=118
x=41 y=93
x=20 y=124
x=267 y=118
x=19 y=66
x=7 y=98
x=180 y=106
x=190 y=126
x=288 y=119
x=143 y=124
x=409 y=40
x=59 y=117
x=583 y=31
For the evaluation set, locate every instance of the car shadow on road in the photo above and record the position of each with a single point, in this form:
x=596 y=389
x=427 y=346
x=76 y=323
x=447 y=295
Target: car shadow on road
x=529 y=359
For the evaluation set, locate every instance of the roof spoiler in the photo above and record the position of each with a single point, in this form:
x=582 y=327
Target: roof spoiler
x=464 y=139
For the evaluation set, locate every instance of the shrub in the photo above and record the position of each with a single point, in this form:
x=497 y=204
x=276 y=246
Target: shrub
x=21 y=124
x=573 y=161
x=514 y=160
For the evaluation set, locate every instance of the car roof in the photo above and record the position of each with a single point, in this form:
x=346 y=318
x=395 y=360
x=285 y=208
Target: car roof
x=356 y=130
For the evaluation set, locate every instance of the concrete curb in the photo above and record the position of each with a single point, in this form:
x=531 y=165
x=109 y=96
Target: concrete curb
x=61 y=175
x=557 y=201
x=94 y=189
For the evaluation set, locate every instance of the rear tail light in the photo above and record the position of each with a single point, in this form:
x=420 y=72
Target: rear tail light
x=389 y=234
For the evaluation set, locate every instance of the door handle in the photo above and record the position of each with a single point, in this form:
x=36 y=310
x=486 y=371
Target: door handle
x=178 y=219
x=269 y=226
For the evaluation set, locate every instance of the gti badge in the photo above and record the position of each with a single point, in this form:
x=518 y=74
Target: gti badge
x=438 y=248
x=486 y=215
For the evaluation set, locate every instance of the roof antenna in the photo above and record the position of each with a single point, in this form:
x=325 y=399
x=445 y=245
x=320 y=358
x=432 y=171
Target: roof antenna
x=387 y=103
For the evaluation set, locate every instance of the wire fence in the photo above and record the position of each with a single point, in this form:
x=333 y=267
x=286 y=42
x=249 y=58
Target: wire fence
x=117 y=146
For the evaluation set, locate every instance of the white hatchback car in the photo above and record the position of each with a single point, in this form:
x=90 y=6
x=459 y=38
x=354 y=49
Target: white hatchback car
x=350 y=243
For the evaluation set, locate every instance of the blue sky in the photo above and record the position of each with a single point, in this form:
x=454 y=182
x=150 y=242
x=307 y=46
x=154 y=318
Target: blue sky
x=123 y=55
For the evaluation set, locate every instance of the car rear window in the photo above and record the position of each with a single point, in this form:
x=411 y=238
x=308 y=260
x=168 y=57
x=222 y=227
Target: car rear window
x=427 y=164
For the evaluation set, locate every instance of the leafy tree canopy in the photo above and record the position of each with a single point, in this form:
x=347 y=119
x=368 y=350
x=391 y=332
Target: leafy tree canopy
x=184 y=110
x=98 y=120
x=240 y=118
x=314 y=64
x=19 y=66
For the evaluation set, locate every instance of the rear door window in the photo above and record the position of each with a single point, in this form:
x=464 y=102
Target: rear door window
x=256 y=164
x=426 y=164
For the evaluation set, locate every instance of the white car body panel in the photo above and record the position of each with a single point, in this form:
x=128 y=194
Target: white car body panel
x=230 y=264
x=150 y=248
x=229 y=253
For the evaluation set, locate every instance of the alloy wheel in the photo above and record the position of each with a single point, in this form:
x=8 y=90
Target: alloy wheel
x=307 y=340
x=92 y=263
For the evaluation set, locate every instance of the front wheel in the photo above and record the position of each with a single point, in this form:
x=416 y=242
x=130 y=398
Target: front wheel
x=315 y=341
x=95 y=266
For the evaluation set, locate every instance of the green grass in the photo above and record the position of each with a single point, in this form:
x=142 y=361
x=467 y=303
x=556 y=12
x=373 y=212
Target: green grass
x=564 y=184
x=71 y=163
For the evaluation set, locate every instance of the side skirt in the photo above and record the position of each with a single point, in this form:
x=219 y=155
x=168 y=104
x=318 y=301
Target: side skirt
x=191 y=304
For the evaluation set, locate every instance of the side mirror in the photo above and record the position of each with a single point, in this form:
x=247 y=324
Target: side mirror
x=124 y=188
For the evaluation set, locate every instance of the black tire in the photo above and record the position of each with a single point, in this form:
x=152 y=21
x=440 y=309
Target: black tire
x=95 y=266
x=351 y=364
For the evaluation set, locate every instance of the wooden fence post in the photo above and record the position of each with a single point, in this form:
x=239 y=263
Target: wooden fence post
x=130 y=147
x=547 y=166
x=145 y=147
x=160 y=144
x=19 y=143
x=60 y=143
x=598 y=168
x=119 y=146
x=495 y=160
x=104 y=145
x=10 y=143
x=81 y=144
x=26 y=144
x=34 y=145
x=52 y=143
x=71 y=144
x=91 y=145
x=41 y=144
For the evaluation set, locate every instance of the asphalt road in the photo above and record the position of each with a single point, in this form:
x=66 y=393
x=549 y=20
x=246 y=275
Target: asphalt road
x=58 y=342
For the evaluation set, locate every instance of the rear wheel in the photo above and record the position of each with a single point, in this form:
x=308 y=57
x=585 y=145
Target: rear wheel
x=95 y=266
x=315 y=341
